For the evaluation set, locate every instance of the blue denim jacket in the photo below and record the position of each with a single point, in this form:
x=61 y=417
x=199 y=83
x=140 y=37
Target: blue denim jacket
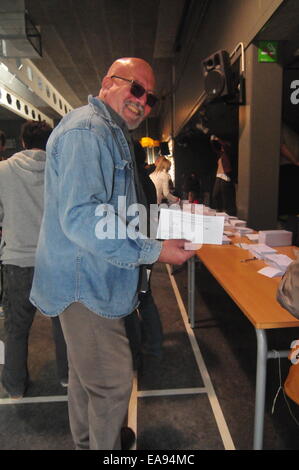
x=88 y=164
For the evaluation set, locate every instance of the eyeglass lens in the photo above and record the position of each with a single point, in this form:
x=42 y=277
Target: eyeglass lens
x=138 y=91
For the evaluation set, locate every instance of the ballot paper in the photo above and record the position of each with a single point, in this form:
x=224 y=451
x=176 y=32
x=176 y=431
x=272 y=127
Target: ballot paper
x=195 y=228
x=276 y=237
x=229 y=233
x=254 y=237
x=269 y=271
x=225 y=240
x=229 y=227
x=278 y=261
x=238 y=223
x=243 y=230
x=260 y=250
x=245 y=246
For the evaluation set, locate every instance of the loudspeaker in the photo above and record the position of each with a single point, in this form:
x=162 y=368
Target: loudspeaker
x=217 y=75
x=164 y=148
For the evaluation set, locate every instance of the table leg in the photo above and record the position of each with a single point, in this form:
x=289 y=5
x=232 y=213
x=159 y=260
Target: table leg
x=260 y=388
x=191 y=290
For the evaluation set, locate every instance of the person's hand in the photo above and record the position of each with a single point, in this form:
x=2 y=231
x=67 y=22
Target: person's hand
x=173 y=252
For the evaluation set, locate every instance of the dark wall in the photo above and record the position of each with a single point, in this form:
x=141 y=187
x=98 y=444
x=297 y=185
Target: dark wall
x=193 y=151
x=12 y=129
x=290 y=101
x=194 y=155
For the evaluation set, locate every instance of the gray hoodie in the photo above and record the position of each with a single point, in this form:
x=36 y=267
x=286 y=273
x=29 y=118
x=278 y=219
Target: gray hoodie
x=21 y=205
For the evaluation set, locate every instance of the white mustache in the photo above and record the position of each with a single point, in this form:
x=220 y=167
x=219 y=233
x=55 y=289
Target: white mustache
x=137 y=105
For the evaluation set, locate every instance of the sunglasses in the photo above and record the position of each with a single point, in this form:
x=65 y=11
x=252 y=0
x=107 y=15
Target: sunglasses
x=138 y=91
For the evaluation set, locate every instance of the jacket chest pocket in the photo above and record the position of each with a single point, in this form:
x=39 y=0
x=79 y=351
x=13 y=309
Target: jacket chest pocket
x=123 y=179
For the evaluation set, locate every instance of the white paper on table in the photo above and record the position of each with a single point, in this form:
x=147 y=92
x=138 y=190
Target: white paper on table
x=228 y=233
x=225 y=240
x=238 y=223
x=245 y=246
x=261 y=249
x=269 y=271
x=228 y=226
x=196 y=228
x=1 y=352
x=278 y=261
x=244 y=230
x=252 y=236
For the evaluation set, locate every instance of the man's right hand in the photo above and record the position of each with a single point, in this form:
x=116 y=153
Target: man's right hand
x=173 y=252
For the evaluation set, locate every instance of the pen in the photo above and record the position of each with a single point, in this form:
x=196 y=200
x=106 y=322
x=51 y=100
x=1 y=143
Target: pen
x=248 y=259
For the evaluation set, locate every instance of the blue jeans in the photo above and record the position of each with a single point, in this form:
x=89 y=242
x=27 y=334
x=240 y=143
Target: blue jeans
x=18 y=317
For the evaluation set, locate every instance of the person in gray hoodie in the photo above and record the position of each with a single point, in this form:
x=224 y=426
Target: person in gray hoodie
x=21 y=209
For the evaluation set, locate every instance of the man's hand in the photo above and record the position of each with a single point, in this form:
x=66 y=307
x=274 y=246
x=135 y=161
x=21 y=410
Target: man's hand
x=173 y=252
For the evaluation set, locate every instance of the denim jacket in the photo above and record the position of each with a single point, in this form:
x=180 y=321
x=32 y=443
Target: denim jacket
x=88 y=164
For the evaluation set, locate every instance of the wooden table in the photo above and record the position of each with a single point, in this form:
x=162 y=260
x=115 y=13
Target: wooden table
x=255 y=295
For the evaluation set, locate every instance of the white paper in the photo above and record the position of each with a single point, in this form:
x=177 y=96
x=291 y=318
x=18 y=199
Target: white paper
x=238 y=222
x=228 y=233
x=229 y=227
x=244 y=230
x=278 y=261
x=269 y=271
x=1 y=352
x=225 y=240
x=245 y=246
x=252 y=236
x=196 y=228
x=261 y=249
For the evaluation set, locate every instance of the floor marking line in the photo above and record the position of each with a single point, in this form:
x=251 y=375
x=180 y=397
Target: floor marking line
x=174 y=392
x=25 y=400
x=218 y=414
x=132 y=410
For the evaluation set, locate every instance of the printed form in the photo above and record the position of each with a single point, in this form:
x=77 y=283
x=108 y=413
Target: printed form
x=196 y=228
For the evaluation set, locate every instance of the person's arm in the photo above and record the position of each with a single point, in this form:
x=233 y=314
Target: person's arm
x=165 y=190
x=288 y=154
x=86 y=173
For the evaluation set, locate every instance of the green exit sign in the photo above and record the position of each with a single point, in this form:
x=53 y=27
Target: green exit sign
x=268 y=51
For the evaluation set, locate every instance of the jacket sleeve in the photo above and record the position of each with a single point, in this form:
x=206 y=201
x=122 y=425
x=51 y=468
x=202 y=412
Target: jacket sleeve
x=86 y=178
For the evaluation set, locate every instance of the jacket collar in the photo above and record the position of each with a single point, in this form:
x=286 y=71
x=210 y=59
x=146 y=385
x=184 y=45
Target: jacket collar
x=106 y=112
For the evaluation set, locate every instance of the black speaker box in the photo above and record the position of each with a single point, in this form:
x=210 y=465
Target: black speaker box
x=217 y=75
x=164 y=148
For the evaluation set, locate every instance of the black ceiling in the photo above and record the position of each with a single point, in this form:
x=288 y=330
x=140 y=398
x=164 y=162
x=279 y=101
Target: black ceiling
x=80 y=40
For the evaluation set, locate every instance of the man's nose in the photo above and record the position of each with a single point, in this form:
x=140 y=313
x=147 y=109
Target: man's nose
x=142 y=99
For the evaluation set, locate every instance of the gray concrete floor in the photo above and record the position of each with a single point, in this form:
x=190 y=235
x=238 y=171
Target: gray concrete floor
x=177 y=422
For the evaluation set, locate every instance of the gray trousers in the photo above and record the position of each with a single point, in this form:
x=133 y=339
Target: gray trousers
x=100 y=377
